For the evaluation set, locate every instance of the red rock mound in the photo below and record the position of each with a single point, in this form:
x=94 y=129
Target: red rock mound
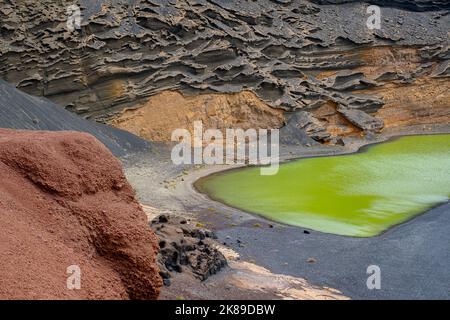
x=64 y=201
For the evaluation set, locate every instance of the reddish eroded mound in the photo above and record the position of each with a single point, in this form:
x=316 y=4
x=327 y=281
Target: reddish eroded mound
x=64 y=201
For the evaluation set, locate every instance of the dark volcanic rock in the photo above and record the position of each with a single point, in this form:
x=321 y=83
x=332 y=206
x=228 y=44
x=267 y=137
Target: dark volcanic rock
x=361 y=119
x=348 y=80
x=286 y=52
x=312 y=126
x=292 y=133
x=419 y=5
x=186 y=248
x=442 y=70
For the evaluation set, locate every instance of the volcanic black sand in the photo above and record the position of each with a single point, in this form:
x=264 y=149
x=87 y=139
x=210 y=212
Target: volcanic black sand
x=19 y=110
x=413 y=257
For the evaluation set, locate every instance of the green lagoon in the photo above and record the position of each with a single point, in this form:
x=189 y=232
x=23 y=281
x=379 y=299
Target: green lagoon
x=358 y=195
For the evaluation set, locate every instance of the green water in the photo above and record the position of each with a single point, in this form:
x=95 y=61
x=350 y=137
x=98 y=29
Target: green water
x=357 y=195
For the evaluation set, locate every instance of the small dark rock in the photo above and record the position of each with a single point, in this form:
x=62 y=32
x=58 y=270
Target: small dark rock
x=340 y=142
x=199 y=234
x=164 y=274
x=163 y=218
x=178 y=268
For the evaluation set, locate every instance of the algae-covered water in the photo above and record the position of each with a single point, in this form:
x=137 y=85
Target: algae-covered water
x=360 y=194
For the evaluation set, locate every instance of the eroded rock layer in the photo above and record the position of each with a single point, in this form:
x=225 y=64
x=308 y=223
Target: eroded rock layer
x=317 y=57
x=67 y=210
x=169 y=110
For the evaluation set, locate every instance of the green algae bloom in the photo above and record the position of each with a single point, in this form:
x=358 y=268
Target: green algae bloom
x=358 y=195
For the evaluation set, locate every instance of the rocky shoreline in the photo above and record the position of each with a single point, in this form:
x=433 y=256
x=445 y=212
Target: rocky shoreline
x=181 y=198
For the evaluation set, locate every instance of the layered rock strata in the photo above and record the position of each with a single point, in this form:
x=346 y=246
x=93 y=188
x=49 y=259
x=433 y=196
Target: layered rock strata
x=295 y=55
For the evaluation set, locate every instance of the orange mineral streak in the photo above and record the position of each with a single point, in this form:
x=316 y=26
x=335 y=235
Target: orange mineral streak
x=163 y=113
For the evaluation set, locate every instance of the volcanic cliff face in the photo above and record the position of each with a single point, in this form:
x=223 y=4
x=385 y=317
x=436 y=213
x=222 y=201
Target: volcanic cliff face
x=64 y=201
x=317 y=59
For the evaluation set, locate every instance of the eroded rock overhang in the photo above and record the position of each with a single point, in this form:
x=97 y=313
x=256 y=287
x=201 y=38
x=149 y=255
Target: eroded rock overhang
x=314 y=57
